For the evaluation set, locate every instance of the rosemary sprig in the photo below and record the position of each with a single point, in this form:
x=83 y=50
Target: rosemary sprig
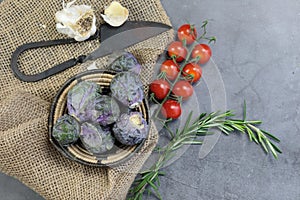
x=149 y=180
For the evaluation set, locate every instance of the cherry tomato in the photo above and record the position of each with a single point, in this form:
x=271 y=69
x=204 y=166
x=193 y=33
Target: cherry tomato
x=194 y=70
x=177 y=50
x=183 y=89
x=160 y=88
x=170 y=68
x=171 y=109
x=188 y=33
x=203 y=52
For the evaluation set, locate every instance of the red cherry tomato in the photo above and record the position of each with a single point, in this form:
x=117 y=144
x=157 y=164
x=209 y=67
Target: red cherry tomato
x=203 y=52
x=194 y=70
x=177 y=50
x=170 y=68
x=188 y=33
x=183 y=89
x=160 y=88
x=171 y=109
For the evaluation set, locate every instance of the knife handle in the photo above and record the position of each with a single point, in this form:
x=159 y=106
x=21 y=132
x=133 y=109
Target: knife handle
x=49 y=72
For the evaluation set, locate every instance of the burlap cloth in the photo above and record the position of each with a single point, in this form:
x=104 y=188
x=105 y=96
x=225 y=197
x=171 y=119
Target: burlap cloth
x=25 y=152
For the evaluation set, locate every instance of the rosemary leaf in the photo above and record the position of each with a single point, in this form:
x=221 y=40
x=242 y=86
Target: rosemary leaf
x=271 y=136
x=187 y=123
x=193 y=142
x=272 y=149
x=245 y=111
x=264 y=146
x=275 y=147
x=251 y=134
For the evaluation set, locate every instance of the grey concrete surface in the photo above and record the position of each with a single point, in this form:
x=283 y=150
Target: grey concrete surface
x=257 y=53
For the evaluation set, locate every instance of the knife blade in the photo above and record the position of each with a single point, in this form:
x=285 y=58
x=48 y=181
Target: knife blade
x=131 y=33
x=112 y=39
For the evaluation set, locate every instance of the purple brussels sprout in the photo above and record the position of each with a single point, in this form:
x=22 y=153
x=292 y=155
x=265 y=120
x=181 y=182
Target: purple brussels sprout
x=66 y=130
x=95 y=139
x=81 y=101
x=107 y=110
x=127 y=87
x=131 y=129
x=125 y=62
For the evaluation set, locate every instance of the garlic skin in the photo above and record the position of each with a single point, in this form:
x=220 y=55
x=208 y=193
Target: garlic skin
x=76 y=21
x=115 y=14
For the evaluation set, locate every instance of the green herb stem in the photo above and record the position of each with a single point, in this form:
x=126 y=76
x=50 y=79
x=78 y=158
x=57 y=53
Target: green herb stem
x=188 y=135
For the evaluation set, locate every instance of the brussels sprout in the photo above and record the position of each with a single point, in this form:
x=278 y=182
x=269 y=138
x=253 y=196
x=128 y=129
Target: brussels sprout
x=66 y=130
x=128 y=89
x=108 y=110
x=81 y=101
x=95 y=139
x=125 y=62
x=131 y=129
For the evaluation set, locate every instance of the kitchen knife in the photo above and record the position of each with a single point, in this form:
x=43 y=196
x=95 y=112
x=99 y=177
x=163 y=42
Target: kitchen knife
x=112 y=39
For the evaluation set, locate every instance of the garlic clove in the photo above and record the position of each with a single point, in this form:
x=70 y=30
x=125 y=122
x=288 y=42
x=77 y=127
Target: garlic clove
x=76 y=21
x=68 y=4
x=115 y=14
x=64 y=30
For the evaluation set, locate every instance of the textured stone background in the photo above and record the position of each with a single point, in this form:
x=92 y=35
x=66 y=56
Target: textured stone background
x=257 y=53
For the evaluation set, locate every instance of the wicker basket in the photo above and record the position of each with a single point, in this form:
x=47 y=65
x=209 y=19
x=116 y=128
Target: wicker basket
x=77 y=152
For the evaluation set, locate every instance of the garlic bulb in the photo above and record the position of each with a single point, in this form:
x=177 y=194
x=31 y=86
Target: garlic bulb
x=76 y=21
x=115 y=14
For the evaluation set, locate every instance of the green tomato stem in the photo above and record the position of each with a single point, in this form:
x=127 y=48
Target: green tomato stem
x=182 y=65
x=177 y=78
